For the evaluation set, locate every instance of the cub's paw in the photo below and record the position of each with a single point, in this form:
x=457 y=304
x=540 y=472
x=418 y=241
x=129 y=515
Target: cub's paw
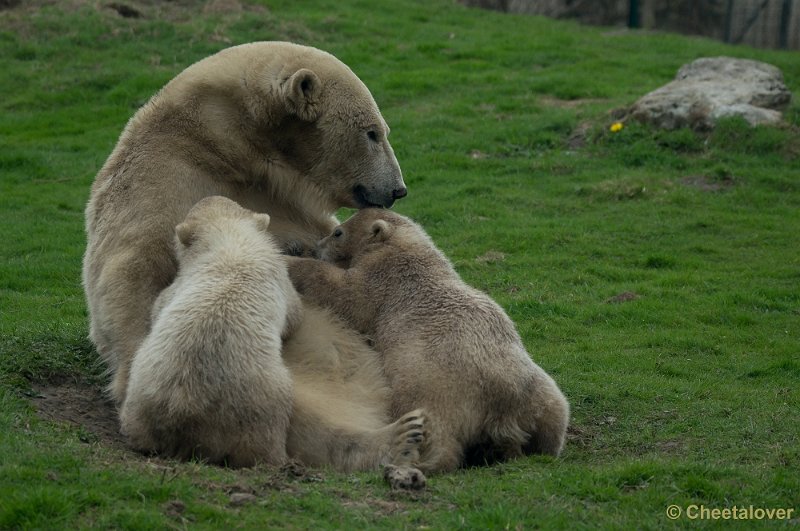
x=409 y=437
x=404 y=477
x=297 y=248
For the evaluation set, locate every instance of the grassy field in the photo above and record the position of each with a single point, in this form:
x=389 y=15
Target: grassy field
x=655 y=275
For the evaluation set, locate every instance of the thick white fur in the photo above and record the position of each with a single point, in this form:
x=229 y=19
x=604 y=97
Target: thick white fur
x=209 y=381
x=214 y=380
x=341 y=409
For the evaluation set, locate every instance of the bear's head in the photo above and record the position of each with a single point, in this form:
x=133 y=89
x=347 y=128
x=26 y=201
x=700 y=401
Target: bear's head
x=210 y=220
x=335 y=135
x=368 y=230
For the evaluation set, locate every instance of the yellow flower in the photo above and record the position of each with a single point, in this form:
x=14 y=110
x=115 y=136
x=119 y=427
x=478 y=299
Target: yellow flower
x=616 y=127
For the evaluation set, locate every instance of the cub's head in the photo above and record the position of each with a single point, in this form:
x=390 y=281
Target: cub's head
x=335 y=135
x=366 y=231
x=209 y=220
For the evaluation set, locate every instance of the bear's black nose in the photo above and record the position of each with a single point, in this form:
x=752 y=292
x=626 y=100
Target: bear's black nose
x=399 y=193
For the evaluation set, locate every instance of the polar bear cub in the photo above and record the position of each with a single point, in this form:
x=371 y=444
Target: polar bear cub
x=446 y=347
x=208 y=381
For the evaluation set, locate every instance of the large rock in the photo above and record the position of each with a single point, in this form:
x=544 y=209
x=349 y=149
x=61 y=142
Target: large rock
x=714 y=87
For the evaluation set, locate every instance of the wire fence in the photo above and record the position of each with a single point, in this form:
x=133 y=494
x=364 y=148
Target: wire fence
x=761 y=23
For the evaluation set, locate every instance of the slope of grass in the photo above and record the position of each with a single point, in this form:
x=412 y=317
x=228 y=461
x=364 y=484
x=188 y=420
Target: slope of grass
x=654 y=274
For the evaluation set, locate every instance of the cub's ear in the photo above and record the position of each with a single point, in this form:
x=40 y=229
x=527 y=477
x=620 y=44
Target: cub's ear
x=380 y=230
x=186 y=233
x=262 y=221
x=302 y=93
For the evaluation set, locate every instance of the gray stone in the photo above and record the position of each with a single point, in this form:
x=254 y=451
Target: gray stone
x=715 y=87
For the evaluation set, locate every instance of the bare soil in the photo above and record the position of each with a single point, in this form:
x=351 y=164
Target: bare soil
x=709 y=184
x=83 y=405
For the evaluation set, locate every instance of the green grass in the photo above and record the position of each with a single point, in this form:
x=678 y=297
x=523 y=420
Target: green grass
x=685 y=394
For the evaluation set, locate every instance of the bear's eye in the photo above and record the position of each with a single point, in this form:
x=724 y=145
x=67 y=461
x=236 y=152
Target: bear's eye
x=372 y=135
x=337 y=233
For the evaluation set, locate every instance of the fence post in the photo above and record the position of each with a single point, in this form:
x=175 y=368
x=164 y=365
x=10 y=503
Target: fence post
x=633 y=14
x=729 y=22
x=786 y=17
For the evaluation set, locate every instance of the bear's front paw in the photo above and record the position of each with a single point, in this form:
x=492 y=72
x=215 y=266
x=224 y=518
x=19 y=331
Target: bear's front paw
x=404 y=477
x=298 y=248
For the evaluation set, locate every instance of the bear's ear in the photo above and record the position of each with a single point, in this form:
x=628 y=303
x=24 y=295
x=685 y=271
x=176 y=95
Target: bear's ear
x=380 y=231
x=302 y=92
x=186 y=233
x=262 y=221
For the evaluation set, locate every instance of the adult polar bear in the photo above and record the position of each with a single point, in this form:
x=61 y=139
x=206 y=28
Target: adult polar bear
x=277 y=127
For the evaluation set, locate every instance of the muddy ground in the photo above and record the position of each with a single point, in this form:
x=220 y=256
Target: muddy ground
x=82 y=405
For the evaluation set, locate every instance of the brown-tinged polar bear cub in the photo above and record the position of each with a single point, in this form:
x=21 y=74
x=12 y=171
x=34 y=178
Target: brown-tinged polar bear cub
x=445 y=346
x=209 y=381
x=277 y=127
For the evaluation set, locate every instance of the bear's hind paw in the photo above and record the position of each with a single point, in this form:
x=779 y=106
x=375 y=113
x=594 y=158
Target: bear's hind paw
x=404 y=477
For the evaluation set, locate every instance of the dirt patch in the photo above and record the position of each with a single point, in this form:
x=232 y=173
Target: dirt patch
x=709 y=184
x=222 y=7
x=125 y=10
x=625 y=296
x=672 y=446
x=580 y=436
x=81 y=405
x=171 y=10
x=551 y=101
x=491 y=257
x=379 y=507
x=86 y=407
x=253 y=485
x=579 y=137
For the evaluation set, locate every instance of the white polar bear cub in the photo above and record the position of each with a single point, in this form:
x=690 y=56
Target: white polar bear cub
x=208 y=381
